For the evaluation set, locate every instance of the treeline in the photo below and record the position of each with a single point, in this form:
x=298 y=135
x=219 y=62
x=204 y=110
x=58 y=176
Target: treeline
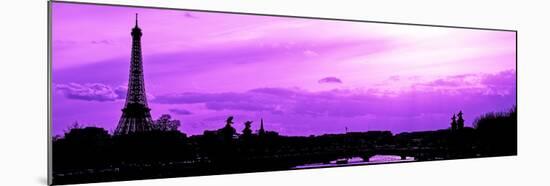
x=497 y=132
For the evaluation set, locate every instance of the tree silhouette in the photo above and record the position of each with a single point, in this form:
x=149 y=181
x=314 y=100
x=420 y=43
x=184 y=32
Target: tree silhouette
x=453 y=123
x=460 y=121
x=165 y=123
x=497 y=132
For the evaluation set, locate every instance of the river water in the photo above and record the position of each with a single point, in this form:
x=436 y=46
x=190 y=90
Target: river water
x=376 y=159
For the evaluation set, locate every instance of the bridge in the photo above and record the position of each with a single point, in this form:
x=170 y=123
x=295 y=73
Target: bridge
x=307 y=156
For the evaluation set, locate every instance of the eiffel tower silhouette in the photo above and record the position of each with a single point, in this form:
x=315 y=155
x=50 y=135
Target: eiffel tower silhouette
x=136 y=116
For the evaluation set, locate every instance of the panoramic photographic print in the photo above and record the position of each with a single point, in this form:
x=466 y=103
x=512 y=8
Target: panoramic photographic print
x=143 y=93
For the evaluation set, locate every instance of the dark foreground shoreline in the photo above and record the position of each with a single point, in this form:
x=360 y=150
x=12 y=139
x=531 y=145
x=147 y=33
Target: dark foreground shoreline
x=91 y=154
x=174 y=171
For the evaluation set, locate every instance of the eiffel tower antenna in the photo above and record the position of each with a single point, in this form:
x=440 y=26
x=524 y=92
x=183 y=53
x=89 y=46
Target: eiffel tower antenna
x=136 y=20
x=136 y=116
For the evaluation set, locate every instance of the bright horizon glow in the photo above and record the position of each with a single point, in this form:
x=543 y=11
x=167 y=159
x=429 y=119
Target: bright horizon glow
x=302 y=76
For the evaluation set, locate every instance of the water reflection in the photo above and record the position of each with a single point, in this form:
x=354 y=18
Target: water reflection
x=376 y=159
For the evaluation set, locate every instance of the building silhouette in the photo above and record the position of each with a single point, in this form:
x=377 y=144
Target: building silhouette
x=136 y=116
x=261 y=131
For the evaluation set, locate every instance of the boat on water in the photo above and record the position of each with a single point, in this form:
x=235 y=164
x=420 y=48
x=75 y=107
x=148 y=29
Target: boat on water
x=342 y=161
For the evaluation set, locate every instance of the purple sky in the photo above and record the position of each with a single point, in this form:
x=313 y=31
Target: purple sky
x=303 y=76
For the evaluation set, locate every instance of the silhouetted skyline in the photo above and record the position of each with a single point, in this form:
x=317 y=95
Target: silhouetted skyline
x=202 y=67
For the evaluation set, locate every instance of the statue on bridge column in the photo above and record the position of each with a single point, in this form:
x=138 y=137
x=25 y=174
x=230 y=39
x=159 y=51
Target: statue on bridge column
x=228 y=131
x=460 y=121
x=453 y=123
x=247 y=131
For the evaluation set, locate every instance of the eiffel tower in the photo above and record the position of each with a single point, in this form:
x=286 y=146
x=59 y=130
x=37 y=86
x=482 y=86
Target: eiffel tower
x=136 y=116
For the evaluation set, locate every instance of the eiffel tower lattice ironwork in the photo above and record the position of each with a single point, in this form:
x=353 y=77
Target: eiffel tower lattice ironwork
x=136 y=116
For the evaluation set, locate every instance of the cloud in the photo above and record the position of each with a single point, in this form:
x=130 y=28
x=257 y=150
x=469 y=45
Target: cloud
x=122 y=91
x=254 y=100
x=454 y=81
x=277 y=91
x=195 y=97
x=394 y=78
x=105 y=42
x=330 y=80
x=63 y=44
x=346 y=103
x=502 y=79
x=443 y=83
x=91 y=91
x=310 y=53
x=180 y=111
x=189 y=15
x=500 y=83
